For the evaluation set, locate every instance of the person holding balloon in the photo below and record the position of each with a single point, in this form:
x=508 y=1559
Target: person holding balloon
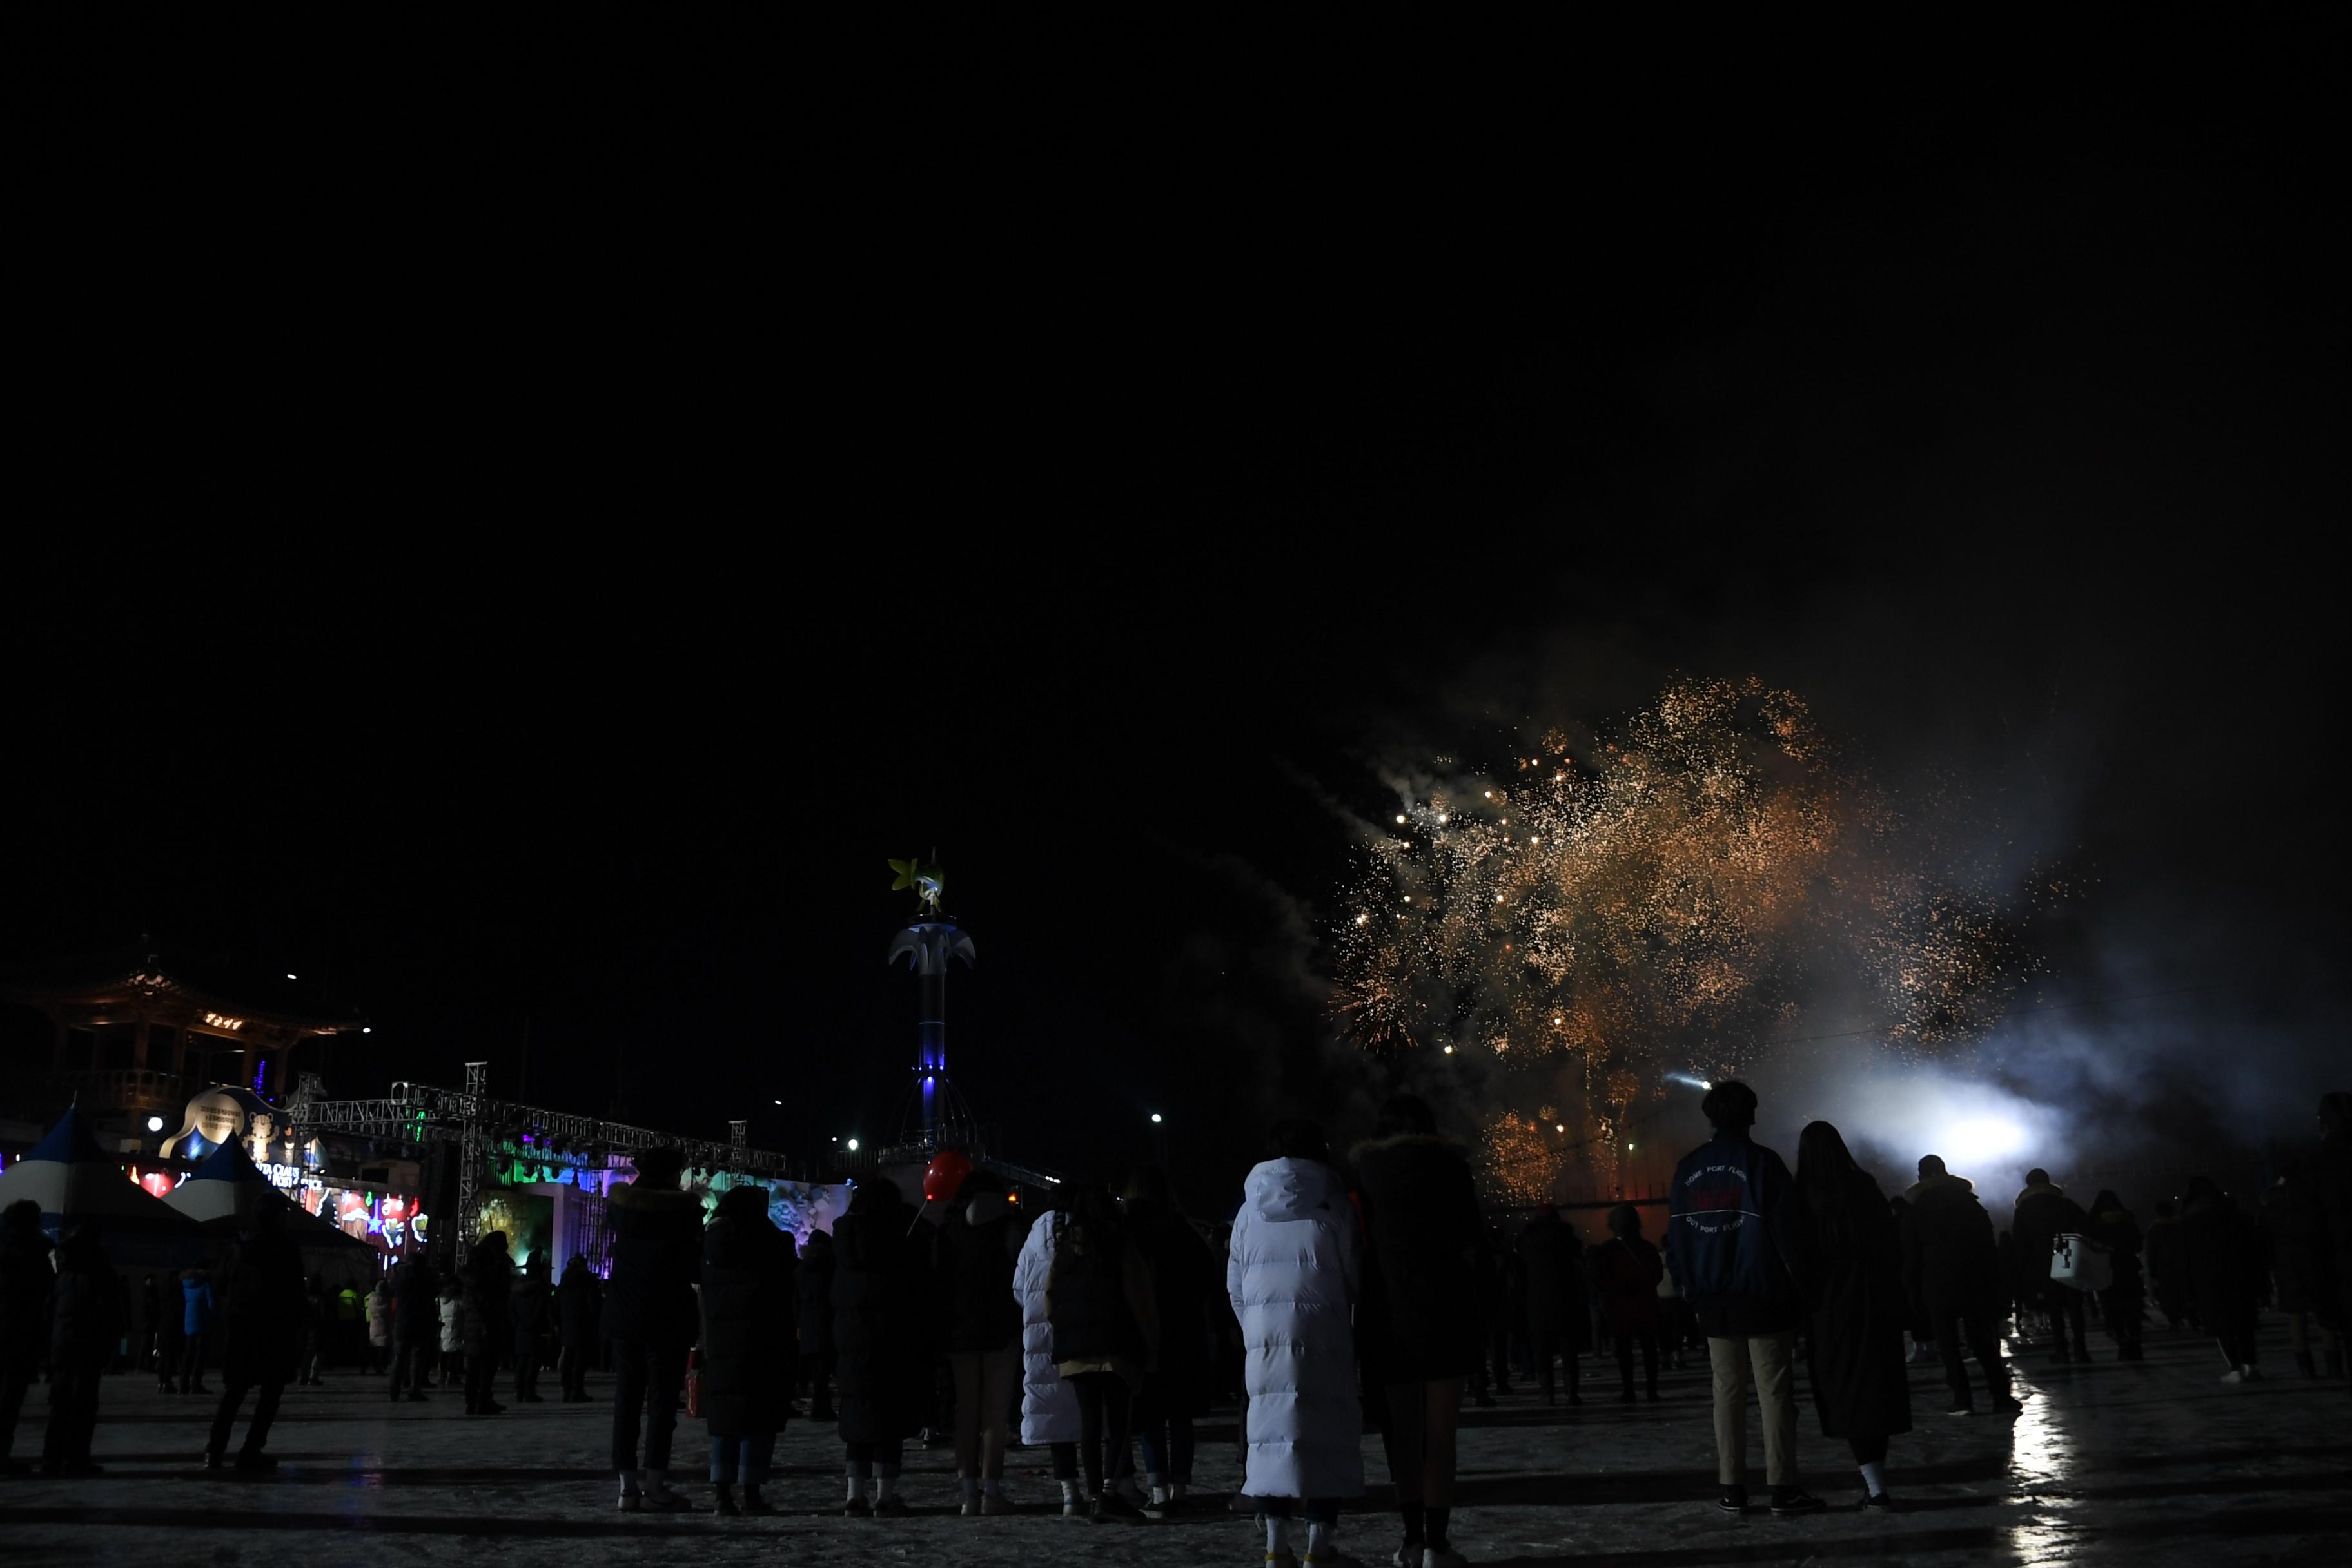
x=973 y=1255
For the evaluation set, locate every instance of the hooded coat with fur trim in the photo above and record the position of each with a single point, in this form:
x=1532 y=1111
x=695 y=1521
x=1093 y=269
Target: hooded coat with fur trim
x=1422 y=1318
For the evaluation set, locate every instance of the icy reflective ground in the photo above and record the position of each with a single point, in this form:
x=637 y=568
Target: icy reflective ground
x=2156 y=1464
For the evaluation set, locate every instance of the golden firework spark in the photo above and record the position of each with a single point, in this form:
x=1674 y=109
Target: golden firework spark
x=1669 y=897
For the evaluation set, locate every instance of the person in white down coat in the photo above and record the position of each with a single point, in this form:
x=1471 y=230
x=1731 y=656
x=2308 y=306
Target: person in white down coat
x=1292 y=1274
x=1049 y=1407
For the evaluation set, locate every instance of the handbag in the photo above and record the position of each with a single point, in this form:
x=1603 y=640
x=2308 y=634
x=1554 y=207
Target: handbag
x=694 y=1383
x=2079 y=1262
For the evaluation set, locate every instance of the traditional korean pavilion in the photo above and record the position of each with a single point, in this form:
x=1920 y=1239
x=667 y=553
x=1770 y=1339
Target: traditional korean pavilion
x=139 y=1039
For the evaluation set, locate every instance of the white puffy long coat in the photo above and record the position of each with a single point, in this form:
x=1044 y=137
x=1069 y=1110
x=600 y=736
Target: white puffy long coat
x=1049 y=1407
x=1292 y=1275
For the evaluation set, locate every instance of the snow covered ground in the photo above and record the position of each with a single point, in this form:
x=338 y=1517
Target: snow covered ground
x=2156 y=1464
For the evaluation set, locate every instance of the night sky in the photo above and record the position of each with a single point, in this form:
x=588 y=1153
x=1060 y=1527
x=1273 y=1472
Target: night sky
x=571 y=521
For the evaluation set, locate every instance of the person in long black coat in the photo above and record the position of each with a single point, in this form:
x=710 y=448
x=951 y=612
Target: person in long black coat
x=1560 y=1318
x=2167 y=1263
x=650 y=1317
x=2227 y=1272
x=24 y=1280
x=578 y=1308
x=1185 y=1281
x=1104 y=1315
x=1952 y=1271
x=85 y=1321
x=489 y=1297
x=2329 y=1171
x=1626 y=1273
x=1420 y=1326
x=415 y=1328
x=881 y=1340
x=749 y=1346
x=2125 y=1298
x=814 y=1284
x=979 y=1323
x=261 y=1309
x=530 y=1311
x=1920 y=1325
x=1854 y=1352
x=2295 y=1233
x=1503 y=1308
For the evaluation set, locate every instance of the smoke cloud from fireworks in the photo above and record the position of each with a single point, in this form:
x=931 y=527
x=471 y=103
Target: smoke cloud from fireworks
x=1666 y=901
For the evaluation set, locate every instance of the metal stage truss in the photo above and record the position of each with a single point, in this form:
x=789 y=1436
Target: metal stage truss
x=422 y=1114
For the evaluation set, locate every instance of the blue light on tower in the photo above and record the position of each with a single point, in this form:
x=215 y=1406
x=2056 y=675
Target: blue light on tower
x=929 y=944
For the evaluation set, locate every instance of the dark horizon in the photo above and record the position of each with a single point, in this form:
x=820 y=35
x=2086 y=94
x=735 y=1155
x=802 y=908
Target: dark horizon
x=1116 y=565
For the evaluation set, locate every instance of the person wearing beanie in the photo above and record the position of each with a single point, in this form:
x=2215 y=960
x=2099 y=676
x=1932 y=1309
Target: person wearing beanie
x=1731 y=1242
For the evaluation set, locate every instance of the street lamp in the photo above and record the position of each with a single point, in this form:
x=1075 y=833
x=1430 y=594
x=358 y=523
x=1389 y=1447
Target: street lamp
x=853 y=1145
x=154 y=1124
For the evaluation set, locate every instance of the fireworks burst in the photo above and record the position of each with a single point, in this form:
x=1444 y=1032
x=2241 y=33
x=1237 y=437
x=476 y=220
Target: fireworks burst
x=1668 y=899
x=1523 y=1157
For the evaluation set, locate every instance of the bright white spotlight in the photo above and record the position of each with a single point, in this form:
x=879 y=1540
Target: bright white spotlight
x=154 y=1124
x=1981 y=1139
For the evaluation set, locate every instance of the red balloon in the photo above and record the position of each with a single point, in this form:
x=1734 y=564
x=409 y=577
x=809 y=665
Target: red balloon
x=944 y=1176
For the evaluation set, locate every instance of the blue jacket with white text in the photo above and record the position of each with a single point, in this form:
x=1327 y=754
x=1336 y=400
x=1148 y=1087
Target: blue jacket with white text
x=1729 y=1241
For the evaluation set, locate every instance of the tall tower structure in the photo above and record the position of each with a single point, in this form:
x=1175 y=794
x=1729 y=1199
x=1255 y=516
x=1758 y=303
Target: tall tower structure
x=930 y=945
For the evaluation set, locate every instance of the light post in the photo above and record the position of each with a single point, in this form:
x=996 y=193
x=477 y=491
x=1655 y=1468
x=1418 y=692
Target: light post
x=1160 y=1126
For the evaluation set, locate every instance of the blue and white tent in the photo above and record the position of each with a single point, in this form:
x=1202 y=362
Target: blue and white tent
x=75 y=1180
x=228 y=1187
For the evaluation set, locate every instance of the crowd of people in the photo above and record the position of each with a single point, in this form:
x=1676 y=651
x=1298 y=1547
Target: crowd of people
x=1369 y=1294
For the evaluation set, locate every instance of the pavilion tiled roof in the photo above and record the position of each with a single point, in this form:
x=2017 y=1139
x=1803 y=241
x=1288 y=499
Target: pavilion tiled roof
x=148 y=979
